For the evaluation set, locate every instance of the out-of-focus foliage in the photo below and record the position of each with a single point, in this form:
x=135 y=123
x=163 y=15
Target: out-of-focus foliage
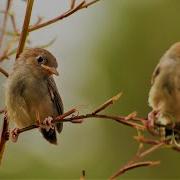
x=110 y=47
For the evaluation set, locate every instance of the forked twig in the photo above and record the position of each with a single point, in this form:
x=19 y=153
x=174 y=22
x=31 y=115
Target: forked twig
x=136 y=163
x=69 y=12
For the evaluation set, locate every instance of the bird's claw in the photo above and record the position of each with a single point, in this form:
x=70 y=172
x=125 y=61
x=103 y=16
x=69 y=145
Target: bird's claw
x=14 y=134
x=152 y=117
x=47 y=123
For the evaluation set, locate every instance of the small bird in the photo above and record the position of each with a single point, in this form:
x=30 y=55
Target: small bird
x=31 y=93
x=164 y=95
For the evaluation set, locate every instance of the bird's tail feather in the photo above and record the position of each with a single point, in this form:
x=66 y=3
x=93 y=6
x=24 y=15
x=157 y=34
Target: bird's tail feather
x=59 y=127
x=49 y=135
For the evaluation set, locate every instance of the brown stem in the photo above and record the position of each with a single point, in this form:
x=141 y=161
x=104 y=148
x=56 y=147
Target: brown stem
x=146 y=141
x=4 y=72
x=135 y=162
x=83 y=175
x=4 y=136
x=81 y=5
x=90 y=3
x=74 y=118
x=57 y=119
x=73 y=2
x=14 y=24
x=133 y=166
x=107 y=103
x=24 y=32
x=9 y=2
x=6 y=56
x=151 y=149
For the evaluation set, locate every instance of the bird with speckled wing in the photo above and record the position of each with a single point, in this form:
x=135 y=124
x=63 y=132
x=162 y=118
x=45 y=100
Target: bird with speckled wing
x=31 y=93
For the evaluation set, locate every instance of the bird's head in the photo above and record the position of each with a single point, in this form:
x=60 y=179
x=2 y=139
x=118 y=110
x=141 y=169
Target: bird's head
x=40 y=60
x=174 y=51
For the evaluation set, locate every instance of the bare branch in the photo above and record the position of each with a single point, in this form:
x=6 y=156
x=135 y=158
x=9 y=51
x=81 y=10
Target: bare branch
x=4 y=136
x=14 y=24
x=9 y=2
x=146 y=141
x=69 y=12
x=24 y=32
x=4 y=72
x=86 y=5
x=57 y=119
x=136 y=163
x=107 y=103
x=83 y=175
x=133 y=166
x=73 y=2
x=151 y=149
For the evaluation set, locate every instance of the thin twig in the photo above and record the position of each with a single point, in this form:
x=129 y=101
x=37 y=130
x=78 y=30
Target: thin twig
x=86 y=5
x=57 y=119
x=83 y=175
x=4 y=136
x=24 y=32
x=73 y=2
x=14 y=24
x=133 y=166
x=135 y=162
x=146 y=141
x=69 y=12
x=6 y=56
x=10 y=44
x=4 y=72
x=8 y=5
x=38 y=21
x=151 y=149
x=86 y=116
x=107 y=103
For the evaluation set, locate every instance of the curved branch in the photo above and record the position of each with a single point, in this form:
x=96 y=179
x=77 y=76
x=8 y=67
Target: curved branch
x=69 y=12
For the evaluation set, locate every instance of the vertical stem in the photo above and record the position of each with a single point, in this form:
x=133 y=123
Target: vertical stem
x=5 y=21
x=24 y=32
x=3 y=139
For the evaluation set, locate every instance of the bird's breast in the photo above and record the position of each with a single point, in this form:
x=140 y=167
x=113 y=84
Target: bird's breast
x=27 y=99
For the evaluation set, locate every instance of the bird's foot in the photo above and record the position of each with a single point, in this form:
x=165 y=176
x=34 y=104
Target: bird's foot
x=47 y=123
x=152 y=117
x=14 y=134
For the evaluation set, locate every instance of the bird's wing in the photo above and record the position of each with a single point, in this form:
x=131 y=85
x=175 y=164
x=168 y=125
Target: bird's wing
x=155 y=73
x=56 y=99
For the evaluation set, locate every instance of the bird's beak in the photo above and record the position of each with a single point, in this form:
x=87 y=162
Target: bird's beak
x=51 y=70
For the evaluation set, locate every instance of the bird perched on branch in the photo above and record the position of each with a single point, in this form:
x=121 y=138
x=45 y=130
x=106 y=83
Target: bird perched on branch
x=31 y=93
x=164 y=95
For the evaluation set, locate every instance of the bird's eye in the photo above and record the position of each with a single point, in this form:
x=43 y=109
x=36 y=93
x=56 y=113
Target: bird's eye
x=40 y=59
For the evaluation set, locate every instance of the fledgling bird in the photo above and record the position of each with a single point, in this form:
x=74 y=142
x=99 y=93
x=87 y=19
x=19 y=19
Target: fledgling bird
x=31 y=93
x=164 y=95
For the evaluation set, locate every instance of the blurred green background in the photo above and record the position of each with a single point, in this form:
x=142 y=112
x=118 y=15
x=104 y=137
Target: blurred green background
x=112 y=46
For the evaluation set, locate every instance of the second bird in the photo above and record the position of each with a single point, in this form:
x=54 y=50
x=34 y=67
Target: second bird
x=164 y=96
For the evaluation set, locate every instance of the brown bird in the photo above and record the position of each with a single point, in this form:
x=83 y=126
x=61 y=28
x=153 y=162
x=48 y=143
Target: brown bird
x=164 y=95
x=31 y=92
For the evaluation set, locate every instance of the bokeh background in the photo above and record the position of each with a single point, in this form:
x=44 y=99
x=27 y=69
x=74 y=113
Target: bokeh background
x=112 y=46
